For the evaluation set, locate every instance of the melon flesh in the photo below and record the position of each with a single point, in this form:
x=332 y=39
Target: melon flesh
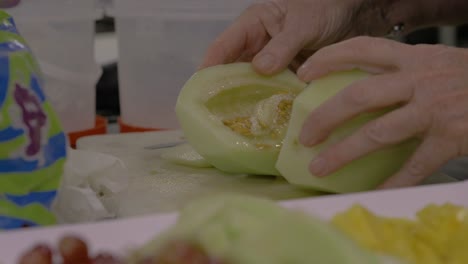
x=184 y=154
x=362 y=174
x=235 y=118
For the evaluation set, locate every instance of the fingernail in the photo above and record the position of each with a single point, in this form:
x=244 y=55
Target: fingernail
x=265 y=62
x=302 y=72
x=318 y=167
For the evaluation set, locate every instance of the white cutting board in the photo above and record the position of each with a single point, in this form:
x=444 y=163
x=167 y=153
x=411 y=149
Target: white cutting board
x=159 y=186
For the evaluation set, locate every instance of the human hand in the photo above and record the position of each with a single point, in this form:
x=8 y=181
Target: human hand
x=428 y=85
x=279 y=33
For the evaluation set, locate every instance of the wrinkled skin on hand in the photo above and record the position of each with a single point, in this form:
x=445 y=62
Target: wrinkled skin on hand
x=281 y=33
x=428 y=85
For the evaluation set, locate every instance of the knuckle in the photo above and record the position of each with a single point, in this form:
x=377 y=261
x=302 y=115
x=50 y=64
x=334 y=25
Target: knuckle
x=439 y=46
x=413 y=86
x=442 y=50
x=422 y=83
x=449 y=129
x=362 y=44
x=379 y=43
x=463 y=149
x=458 y=135
x=275 y=9
x=420 y=121
x=416 y=168
x=356 y=95
x=352 y=46
x=434 y=56
x=440 y=109
x=444 y=56
x=359 y=41
x=460 y=128
x=449 y=122
x=455 y=129
x=357 y=44
x=430 y=83
x=376 y=132
x=254 y=8
x=323 y=52
x=433 y=49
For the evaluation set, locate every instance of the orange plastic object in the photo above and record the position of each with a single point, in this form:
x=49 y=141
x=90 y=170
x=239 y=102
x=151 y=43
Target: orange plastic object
x=99 y=128
x=126 y=128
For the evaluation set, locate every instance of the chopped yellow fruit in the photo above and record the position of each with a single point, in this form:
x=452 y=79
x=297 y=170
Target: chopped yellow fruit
x=439 y=234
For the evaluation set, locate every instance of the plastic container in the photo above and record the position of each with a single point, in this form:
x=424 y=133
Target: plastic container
x=61 y=36
x=161 y=43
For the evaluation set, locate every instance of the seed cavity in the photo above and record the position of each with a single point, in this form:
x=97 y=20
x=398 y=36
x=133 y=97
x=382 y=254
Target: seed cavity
x=268 y=120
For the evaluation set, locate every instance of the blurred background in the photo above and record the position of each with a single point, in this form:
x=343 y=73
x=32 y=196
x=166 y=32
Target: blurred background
x=118 y=65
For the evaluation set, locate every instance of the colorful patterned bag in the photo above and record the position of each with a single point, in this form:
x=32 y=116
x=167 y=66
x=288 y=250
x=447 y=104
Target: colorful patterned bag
x=32 y=143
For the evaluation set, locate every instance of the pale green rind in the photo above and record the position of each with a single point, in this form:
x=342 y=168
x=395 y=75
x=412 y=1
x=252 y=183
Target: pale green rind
x=218 y=144
x=247 y=230
x=359 y=175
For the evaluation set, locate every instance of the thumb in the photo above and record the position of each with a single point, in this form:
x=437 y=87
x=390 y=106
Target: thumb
x=278 y=53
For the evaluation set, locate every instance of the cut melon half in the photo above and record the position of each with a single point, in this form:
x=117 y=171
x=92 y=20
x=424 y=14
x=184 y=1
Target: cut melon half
x=362 y=174
x=236 y=118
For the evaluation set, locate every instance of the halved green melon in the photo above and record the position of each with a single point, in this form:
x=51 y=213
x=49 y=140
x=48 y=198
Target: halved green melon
x=236 y=118
x=362 y=174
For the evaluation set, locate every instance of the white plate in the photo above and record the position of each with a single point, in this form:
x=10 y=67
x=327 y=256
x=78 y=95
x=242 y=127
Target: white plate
x=119 y=235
